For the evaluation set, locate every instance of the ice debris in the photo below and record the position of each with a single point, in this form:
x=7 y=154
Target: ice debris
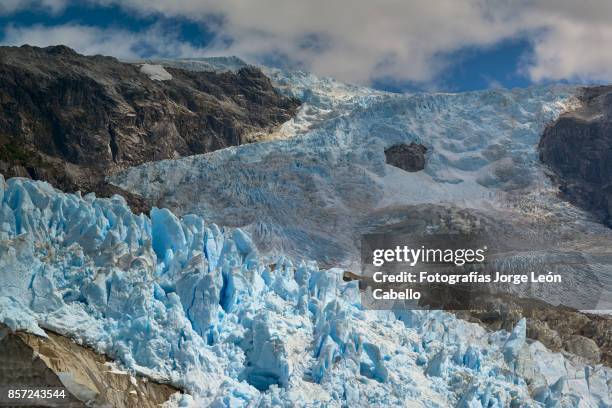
x=184 y=300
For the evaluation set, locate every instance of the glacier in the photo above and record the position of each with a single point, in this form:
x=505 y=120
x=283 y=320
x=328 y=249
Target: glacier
x=313 y=191
x=217 y=292
x=185 y=301
x=322 y=181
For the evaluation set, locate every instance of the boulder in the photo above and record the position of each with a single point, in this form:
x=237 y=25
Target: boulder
x=409 y=157
x=583 y=347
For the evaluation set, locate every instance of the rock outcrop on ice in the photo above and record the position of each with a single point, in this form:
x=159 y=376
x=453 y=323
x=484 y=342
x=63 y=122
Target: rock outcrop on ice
x=72 y=119
x=409 y=157
x=182 y=300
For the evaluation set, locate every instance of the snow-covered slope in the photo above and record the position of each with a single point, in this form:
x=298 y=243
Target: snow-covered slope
x=217 y=64
x=309 y=195
x=155 y=72
x=182 y=300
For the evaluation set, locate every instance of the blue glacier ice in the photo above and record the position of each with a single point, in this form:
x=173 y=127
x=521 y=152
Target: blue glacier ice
x=185 y=301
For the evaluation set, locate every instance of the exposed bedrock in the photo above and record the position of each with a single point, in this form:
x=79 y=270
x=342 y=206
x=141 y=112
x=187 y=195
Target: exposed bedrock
x=71 y=119
x=81 y=377
x=578 y=149
x=409 y=157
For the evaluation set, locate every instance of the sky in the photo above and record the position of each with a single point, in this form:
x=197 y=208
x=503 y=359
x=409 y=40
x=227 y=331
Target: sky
x=396 y=45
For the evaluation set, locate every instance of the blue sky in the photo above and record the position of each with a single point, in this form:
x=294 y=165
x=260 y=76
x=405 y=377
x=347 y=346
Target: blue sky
x=405 y=45
x=475 y=68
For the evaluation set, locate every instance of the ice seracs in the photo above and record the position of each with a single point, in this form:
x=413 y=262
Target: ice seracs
x=180 y=299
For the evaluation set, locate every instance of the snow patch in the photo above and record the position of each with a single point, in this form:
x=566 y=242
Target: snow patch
x=155 y=72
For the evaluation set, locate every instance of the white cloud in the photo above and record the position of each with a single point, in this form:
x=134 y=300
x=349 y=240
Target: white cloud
x=106 y=41
x=362 y=40
x=573 y=43
x=355 y=40
x=585 y=54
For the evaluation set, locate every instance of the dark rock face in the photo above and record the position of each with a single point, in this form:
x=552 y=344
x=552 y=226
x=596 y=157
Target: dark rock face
x=71 y=119
x=578 y=149
x=84 y=377
x=409 y=157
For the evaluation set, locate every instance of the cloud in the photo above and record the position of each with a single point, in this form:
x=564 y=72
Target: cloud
x=356 y=40
x=363 y=40
x=584 y=56
x=573 y=42
x=152 y=42
x=52 y=6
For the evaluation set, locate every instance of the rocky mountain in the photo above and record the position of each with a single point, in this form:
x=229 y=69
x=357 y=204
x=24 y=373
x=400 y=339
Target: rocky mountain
x=71 y=119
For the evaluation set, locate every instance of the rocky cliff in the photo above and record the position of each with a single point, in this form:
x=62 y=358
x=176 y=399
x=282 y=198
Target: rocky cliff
x=71 y=119
x=578 y=149
x=80 y=376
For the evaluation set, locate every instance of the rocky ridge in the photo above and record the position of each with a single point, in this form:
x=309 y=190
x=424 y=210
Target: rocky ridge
x=71 y=119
